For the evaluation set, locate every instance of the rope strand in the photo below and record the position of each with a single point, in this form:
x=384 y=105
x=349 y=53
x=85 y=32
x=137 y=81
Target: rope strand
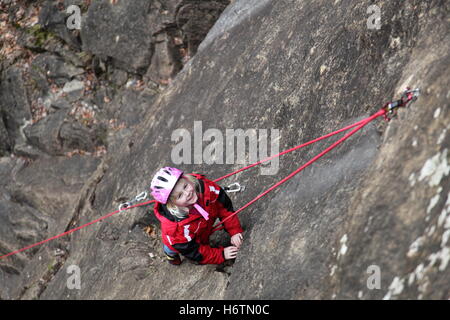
x=359 y=125
x=292 y=149
x=301 y=168
x=73 y=230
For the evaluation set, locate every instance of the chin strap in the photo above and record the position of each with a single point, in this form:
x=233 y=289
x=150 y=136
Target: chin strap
x=201 y=211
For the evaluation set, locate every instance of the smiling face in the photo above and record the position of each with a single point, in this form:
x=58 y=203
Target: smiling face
x=183 y=194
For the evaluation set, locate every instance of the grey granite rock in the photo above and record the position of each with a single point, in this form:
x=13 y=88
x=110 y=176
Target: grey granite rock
x=377 y=207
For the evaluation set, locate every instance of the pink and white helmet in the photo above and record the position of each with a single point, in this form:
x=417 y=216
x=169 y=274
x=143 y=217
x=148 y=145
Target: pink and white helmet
x=163 y=183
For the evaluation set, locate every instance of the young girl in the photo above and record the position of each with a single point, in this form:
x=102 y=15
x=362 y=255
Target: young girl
x=187 y=207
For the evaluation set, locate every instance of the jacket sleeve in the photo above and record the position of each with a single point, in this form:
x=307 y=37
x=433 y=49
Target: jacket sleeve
x=203 y=254
x=225 y=209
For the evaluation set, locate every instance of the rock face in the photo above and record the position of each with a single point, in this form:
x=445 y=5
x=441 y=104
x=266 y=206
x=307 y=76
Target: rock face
x=37 y=199
x=4 y=139
x=48 y=66
x=137 y=34
x=14 y=105
x=53 y=18
x=370 y=220
x=63 y=109
x=119 y=31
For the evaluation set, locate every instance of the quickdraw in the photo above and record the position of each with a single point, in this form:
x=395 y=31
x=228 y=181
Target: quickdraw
x=234 y=187
x=392 y=107
x=140 y=197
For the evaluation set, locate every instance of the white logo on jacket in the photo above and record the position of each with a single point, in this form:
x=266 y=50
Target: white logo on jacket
x=186 y=232
x=211 y=188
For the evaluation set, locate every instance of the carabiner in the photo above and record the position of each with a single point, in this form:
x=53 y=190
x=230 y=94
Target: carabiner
x=415 y=93
x=141 y=196
x=407 y=96
x=124 y=205
x=234 y=187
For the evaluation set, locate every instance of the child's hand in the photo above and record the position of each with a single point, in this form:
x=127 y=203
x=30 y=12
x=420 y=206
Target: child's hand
x=230 y=252
x=236 y=240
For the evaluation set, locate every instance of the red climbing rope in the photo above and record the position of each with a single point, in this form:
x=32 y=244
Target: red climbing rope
x=389 y=109
x=290 y=150
x=317 y=157
x=360 y=123
x=73 y=230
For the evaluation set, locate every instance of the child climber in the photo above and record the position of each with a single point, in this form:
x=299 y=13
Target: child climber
x=187 y=207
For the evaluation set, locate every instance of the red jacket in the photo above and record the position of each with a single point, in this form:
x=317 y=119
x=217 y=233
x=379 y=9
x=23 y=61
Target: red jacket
x=190 y=236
